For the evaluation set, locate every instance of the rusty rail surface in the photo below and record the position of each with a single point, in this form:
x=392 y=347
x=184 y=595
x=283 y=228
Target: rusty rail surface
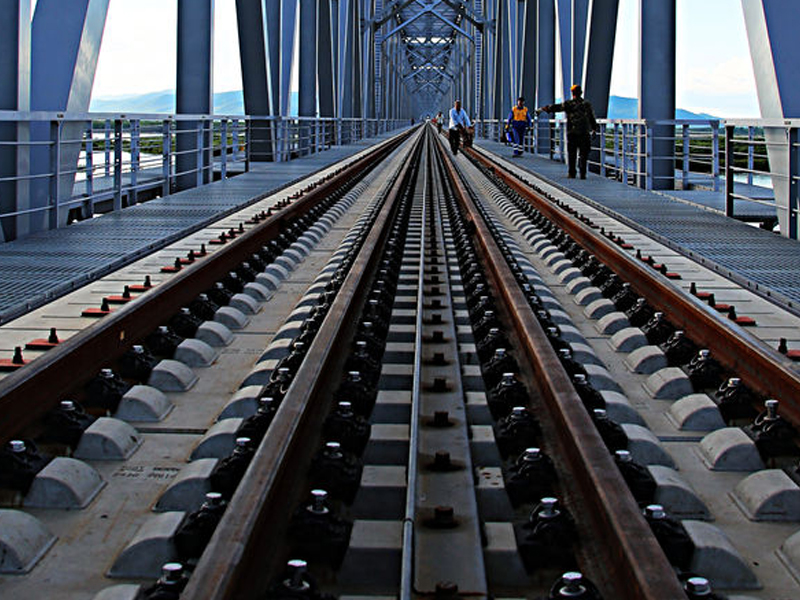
x=30 y=392
x=242 y=555
x=634 y=562
x=760 y=367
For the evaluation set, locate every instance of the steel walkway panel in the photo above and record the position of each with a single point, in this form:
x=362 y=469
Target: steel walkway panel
x=752 y=255
x=45 y=265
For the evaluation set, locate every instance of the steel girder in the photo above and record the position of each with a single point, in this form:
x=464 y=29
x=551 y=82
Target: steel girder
x=600 y=38
x=15 y=69
x=65 y=45
x=657 y=22
x=194 y=91
x=772 y=35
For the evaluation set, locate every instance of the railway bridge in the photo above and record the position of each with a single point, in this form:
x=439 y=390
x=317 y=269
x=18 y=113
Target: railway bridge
x=314 y=353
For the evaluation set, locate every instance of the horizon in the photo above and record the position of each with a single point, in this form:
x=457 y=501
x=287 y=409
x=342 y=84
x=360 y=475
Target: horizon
x=722 y=83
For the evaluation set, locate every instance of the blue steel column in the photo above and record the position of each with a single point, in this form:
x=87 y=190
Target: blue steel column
x=307 y=102
x=545 y=71
x=502 y=73
x=194 y=89
x=15 y=68
x=564 y=22
x=368 y=58
x=255 y=76
x=601 y=35
x=657 y=84
x=580 y=16
x=355 y=37
x=346 y=73
x=289 y=20
x=65 y=44
x=772 y=35
x=325 y=55
x=272 y=25
x=529 y=54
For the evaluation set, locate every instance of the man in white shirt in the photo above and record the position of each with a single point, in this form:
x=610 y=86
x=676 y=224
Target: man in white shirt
x=459 y=121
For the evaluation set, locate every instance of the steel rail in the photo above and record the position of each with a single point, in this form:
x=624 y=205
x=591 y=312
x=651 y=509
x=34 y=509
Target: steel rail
x=760 y=367
x=30 y=392
x=241 y=557
x=634 y=562
x=407 y=557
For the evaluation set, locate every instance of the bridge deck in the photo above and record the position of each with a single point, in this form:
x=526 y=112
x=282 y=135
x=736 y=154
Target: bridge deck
x=745 y=253
x=43 y=266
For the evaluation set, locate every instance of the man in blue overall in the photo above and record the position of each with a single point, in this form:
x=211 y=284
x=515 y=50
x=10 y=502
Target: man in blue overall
x=459 y=121
x=519 y=119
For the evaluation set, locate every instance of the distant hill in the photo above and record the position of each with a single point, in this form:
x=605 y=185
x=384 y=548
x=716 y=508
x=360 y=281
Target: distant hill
x=232 y=103
x=225 y=103
x=628 y=108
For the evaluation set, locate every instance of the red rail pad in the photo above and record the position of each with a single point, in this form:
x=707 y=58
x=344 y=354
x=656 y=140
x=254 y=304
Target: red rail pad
x=139 y=288
x=672 y=275
x=794 y=355
x=95 y=312
x=119 y=299
x=172 y=269
x=40 y=344
x=6 y=364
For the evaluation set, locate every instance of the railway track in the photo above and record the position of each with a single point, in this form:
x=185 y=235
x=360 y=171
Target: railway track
x=420 y=408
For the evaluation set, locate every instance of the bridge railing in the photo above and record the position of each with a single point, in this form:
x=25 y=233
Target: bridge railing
x=753 y=160
x=57 y=168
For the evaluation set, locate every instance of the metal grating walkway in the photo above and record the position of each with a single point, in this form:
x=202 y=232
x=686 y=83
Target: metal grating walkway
x=753 y=257
x=36 y=269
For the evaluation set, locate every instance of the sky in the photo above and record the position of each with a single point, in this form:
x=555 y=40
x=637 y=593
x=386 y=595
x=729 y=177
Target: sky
x=714 y=72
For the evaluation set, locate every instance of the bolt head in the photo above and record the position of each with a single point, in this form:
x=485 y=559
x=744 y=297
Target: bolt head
x=171 y=572
x=16 y=446
x=698 y=586
x=531 y=454
x=655 y=511
x=623 y=456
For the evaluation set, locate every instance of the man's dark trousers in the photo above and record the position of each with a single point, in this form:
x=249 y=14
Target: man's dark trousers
x=454 y=136
x=578 y=143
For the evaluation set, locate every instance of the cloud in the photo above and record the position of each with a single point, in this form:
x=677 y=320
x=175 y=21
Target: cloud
x=732 y=77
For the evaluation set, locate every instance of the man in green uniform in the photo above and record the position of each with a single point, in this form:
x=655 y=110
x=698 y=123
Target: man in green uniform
x=580 y=125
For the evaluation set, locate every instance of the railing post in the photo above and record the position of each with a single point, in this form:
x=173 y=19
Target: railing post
x=199 y=151
x=686 y=155
x=166 y=157
x=117 y=164
x=648 y=141
x=729 y=170
x=794 y=184
x=750 y=154
x=248 y=137
x=715 y=152
x=88 y=208
x=107 y=147
x=223 y=125
x=625 y=153
x=55 y=174
x=135 y=132
x=602 y=153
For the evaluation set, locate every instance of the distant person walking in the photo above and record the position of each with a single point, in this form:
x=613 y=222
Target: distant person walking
x=439 y=122
x=459 y=121
x=580 y=125
x=519 y=119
